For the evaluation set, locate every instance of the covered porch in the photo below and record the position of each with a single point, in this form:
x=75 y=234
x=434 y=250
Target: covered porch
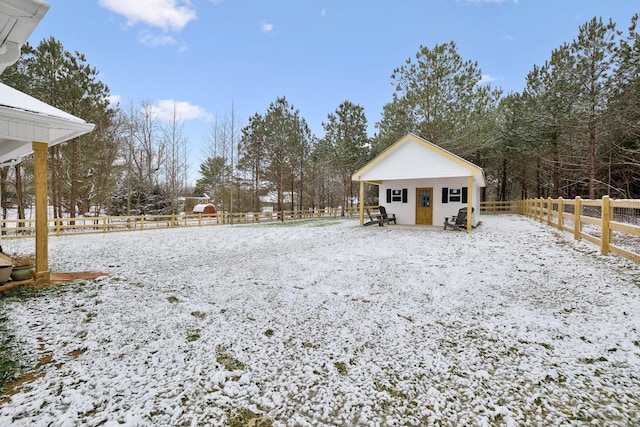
x=28 y=125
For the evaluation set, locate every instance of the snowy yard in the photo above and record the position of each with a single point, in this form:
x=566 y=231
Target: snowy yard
x=328 y=323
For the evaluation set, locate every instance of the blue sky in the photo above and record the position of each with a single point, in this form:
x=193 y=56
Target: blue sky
x=206 y=55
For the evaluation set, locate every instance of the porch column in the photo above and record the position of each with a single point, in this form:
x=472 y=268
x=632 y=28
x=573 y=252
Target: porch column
x=42 y=274
x=361 y=202
x=470 y=203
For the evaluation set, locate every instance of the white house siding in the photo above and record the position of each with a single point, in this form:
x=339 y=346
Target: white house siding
x=406 y=212
x=408 y=162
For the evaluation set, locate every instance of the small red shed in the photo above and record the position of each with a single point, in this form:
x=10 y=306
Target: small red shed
x=204 y=208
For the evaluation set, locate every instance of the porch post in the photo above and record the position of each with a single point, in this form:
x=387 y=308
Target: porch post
x=361 y=202
x=470 y=203
x=42 y=274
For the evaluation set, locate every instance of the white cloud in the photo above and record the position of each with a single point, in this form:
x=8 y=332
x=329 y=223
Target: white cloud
x=266 y=27
x=169 y=15
x=154 y=40
x=323 y=12
x=184 y=110
x=487 y=78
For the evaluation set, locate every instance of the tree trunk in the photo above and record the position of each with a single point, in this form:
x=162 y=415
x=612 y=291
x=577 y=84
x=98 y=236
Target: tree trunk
x=19 y=194
x=73 y=191
x=592 y=157
x=503 y=188
x=56 y=186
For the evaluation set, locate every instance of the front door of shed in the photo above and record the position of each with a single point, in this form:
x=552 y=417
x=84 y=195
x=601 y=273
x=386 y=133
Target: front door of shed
x=424 y=208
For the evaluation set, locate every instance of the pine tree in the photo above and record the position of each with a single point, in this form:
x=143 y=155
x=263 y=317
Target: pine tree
x=347 y=141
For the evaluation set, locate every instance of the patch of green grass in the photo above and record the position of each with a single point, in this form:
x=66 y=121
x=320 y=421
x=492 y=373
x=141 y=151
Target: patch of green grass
x=591 y=361
x=244 y=417
x=173 y=299
x=268 y=332
x=341 y=367
x=193 y=335
x=12 y=366
x=314 y=222
x=545 y=345
x=392 y=391
x=227 y=361
x=291 y=223
x=90 y=316
x=198 y=314
x=9 y=364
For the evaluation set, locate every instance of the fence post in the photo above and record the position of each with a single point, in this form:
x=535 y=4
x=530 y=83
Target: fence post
x=541 y=210
x=576 y=218
x=549 y=211
x=605 y=217
x=530 y=210
x=560 y=213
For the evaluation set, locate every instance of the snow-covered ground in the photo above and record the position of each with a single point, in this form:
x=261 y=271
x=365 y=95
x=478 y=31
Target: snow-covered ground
x=329 y=323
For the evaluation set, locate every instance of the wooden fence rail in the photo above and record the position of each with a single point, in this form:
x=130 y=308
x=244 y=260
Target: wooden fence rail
x=510 y=206
x=613 y=225
x=617 y=220
x=17 y=228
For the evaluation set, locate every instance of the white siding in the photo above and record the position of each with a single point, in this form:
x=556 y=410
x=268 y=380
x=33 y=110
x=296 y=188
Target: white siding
x=413 y=161
x=406 y=212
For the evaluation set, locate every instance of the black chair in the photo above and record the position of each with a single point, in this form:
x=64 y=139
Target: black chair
x=458 y=222
x=381 y=218
x=387 y=218
x=372 y=220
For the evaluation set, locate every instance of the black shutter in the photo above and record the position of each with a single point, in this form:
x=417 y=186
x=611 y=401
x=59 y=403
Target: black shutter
x=388 y=195
x=404 y=195
x=445 y=195
x=464 y=194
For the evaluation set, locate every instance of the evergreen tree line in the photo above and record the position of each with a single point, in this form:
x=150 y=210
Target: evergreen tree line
x=573 y=130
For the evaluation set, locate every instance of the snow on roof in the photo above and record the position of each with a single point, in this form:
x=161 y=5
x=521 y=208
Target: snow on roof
x=14 y=99
x=24 y=119
x=200 y=207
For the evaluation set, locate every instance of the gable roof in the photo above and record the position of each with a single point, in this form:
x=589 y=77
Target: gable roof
x=413 y=157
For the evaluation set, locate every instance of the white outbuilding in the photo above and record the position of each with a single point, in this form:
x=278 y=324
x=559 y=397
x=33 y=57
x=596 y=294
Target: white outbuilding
x=422 y=183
